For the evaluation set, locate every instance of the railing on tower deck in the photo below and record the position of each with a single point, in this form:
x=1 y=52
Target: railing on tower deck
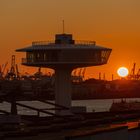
x=42 y=43
x=76 y=43
x=24 y=60
x=43 y=61
x=83 y=42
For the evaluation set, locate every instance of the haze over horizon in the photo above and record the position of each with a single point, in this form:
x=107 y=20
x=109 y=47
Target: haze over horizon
x=111 y=23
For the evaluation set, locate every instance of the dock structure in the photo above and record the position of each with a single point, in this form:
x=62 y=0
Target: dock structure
x=86 y=126
x=63 y=55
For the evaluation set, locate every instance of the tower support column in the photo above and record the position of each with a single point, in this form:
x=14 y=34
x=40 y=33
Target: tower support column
x=63 y=89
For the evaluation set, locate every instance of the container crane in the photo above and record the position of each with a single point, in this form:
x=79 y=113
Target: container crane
x=13 y=73
x=132 y=75
x=138 y=74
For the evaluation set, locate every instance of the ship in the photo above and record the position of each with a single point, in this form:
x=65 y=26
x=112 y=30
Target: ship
x=124 y=105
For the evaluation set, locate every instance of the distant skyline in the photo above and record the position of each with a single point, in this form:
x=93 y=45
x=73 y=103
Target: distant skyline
x=111 y=23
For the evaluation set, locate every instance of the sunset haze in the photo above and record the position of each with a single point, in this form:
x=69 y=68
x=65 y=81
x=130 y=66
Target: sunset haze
x=111 y=23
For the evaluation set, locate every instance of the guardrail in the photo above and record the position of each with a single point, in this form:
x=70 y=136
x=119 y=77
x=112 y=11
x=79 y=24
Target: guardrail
x=76 y=42
x=34 y=61
x=40 y=43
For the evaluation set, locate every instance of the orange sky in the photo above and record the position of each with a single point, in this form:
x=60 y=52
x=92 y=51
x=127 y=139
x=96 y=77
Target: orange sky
x=111 y=23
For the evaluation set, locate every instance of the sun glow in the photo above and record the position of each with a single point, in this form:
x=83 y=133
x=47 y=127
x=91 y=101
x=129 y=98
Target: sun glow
x=122 y=71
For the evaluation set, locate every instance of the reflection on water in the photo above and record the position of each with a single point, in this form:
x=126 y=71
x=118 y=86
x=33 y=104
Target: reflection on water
x=96 y=105
x=100 y=105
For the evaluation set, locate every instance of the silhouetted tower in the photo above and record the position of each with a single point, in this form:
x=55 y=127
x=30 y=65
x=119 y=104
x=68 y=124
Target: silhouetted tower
x=138 y=74
x=112 y=77
x=13 y=73
x=64 y=55
x=132 y=75
x=13 y=64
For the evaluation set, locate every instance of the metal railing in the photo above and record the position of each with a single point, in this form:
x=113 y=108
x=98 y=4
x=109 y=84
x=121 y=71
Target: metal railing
x=84 y=42
x=37 y=61
x=76 y=43
x=42 y=43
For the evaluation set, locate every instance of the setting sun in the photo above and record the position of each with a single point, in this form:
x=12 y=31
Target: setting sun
x=122 y=71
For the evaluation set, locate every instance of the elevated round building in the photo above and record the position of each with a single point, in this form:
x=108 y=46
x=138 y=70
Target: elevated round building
x=63 y=55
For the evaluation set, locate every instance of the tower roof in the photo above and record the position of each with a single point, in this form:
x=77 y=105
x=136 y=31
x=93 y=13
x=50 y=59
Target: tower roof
x=61 y=47
x=62 y=42
x=65 y=52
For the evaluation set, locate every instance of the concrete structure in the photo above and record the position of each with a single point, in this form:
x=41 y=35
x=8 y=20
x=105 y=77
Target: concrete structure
x=116 y=133
x=65 y=131
x=63 y=55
